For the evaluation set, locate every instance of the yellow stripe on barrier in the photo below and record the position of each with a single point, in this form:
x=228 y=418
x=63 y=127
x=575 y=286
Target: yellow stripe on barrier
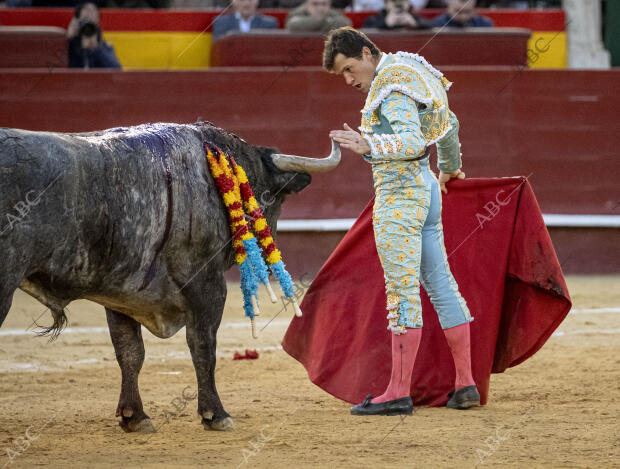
x=160 y=49
x=547 y=49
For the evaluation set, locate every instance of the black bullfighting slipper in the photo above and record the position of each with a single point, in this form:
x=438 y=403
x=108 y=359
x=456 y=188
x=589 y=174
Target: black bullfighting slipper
x=401 y=406
x=464 y=398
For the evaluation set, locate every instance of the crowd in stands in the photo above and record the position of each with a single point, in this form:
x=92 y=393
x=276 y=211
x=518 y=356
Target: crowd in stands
x=87 y=49
x=98 y=3
x=311 y=15
x=320 y=16
x=354 y=5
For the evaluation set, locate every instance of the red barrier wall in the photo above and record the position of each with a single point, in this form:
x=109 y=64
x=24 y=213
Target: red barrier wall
x=46 y=46
x=559 y=127
x=491 y=46
x=579 y=250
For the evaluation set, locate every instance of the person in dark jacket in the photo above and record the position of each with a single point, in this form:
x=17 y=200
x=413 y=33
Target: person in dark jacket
x=87 y=49
x=244 y=19
x=462 y=13
x=397 y=14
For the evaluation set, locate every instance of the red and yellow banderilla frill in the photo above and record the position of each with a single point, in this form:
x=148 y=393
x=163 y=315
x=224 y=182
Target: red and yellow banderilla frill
x=237 y=194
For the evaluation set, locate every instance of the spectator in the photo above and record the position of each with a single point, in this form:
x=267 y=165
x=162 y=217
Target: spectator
x=50 y=3
x=138 y=3
x=244 y=19
x=462 y=13
x=195 y=4
x=280 y=3
x=397 y=14
x=520 y=4
x=315 y=15
x=342 y=4
x=87 y=49
x=367 y=5
x=419 y=4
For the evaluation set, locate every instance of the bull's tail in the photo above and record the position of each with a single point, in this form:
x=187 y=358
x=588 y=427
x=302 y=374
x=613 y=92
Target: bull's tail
x=53 y=331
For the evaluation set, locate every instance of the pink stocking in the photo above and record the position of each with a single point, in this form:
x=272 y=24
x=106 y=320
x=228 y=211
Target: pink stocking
x=458 y=340
x=404 y=351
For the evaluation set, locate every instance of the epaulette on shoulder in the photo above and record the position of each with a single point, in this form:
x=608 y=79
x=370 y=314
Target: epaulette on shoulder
x=444 y=81
x=399 y=77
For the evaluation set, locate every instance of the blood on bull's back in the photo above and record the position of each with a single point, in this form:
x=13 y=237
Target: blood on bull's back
x=95 y=215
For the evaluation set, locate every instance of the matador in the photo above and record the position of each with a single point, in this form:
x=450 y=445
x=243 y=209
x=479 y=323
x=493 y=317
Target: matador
x=406 y=111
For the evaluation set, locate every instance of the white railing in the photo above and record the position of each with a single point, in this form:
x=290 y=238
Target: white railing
x=551 y=220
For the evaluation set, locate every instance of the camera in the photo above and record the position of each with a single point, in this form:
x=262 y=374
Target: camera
x=87 y=28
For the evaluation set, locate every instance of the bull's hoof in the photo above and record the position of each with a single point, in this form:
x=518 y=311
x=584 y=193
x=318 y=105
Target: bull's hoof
x=131 y=426
x=223 y=425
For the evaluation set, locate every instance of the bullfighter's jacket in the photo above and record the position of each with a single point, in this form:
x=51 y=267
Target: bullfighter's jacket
x=400 y=129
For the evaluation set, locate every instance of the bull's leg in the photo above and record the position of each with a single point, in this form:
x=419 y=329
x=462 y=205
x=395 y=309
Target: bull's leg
x=206 y=295
x=7 y=289
x=129 y=348
x=5 y=304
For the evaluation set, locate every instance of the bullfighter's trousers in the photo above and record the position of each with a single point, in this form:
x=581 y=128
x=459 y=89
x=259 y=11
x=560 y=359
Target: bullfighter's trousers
x=409 y=238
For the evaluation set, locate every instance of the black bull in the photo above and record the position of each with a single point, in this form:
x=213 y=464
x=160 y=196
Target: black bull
x=130 y=218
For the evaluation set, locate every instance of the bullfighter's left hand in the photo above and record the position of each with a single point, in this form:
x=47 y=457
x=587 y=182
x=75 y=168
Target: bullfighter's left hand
x=445 y=177
x=350 y=139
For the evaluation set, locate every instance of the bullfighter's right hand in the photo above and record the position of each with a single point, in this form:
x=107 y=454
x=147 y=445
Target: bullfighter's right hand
x=350 y=139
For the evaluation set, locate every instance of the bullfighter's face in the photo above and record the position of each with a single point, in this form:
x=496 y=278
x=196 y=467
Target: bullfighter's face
x=357 y=73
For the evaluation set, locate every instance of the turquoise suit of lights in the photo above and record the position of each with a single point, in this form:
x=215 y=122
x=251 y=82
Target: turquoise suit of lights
x=406 y=111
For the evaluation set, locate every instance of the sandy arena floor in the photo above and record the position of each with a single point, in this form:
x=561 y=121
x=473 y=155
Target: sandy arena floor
x=57 y=401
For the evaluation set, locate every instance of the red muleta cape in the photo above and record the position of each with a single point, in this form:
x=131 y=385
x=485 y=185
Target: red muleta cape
x=503 y=260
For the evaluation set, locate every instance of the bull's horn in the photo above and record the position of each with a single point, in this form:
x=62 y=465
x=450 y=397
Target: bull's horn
x=302 y=164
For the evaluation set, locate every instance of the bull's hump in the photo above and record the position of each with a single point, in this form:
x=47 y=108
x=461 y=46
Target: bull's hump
x=138 y=131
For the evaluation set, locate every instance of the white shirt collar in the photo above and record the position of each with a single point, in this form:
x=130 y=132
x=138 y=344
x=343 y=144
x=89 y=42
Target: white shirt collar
x=244 y=25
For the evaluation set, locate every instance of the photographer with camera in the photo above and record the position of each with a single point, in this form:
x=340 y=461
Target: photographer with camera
x=397 y=14
x=87 y=49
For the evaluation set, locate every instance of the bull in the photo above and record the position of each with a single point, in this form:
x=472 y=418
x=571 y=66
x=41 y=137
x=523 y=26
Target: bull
x=131 y=218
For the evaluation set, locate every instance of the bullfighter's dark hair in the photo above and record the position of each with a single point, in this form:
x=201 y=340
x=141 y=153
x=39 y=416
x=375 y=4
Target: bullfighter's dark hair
x=348 y=42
